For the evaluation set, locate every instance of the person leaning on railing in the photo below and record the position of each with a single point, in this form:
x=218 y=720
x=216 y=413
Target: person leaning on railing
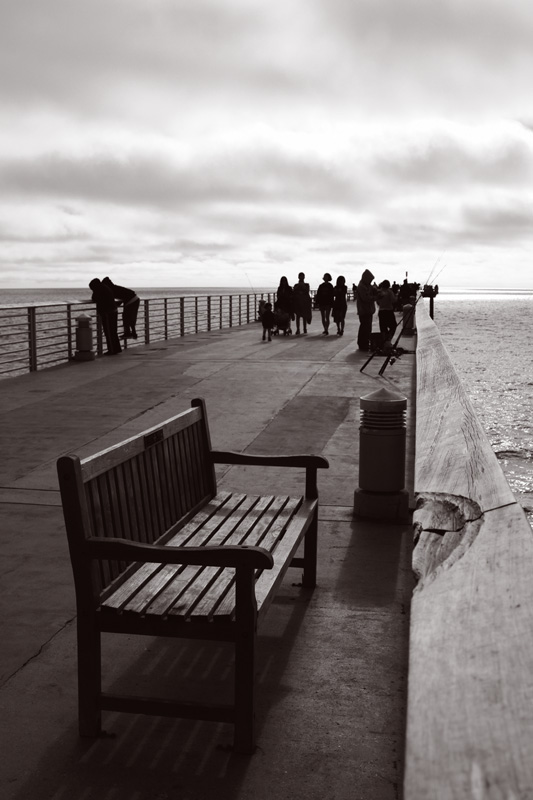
x=106 y=307
x=130 y=308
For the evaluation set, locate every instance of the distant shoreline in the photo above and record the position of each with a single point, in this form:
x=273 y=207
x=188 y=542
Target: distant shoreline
x=16 y=298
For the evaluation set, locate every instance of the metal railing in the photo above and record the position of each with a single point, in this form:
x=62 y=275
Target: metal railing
x=36 y=337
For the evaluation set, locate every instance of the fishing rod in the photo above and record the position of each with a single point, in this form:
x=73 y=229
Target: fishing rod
x=393 y=354
x=433 y=269
x=406 y=322
x=439 y=272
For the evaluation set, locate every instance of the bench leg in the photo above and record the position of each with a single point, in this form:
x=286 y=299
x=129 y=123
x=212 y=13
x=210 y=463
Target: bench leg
x=89 y=678
x=244 y=692
x=310 y=554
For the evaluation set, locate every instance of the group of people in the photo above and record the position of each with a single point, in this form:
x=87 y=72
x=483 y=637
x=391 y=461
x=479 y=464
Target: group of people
x=388 y=299
x=295 y=303
x=108 y=297
x=292 y=303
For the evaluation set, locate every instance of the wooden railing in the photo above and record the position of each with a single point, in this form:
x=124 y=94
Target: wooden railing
x=35 y=337
x=470 y=699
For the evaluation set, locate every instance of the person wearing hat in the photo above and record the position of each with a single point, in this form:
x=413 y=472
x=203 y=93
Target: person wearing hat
x=325 y=295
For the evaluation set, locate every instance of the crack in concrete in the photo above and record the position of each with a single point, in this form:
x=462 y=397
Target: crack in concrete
x=38 y=653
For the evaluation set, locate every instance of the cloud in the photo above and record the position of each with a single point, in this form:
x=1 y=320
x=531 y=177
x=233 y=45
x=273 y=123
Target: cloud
x=162 y=61
x=241 y=133
x=257 y=174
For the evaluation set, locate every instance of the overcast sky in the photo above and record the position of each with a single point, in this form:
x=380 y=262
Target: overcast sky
x=229 y=142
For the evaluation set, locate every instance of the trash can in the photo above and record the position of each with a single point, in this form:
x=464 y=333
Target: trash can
x=84 y=339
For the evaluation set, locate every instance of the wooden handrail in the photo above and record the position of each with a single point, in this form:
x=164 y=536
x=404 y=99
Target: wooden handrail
x=470 y=709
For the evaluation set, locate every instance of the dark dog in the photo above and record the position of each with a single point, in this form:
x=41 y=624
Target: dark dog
x=268 y=321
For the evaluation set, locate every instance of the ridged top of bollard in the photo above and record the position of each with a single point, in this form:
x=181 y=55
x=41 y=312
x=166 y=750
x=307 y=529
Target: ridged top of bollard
x=383 y=400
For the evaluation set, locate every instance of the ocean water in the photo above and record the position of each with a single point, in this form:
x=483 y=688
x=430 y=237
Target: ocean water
x=28 y=297
x=486 y=335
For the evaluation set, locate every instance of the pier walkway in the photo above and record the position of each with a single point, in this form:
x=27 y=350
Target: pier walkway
x=332 y=663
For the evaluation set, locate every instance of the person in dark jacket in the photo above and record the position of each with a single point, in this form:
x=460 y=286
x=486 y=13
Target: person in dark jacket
x=284 y=299
x=106 y=308
x=366 y=307
x=324 y=298
x=130 y=307
x=340 y=304
x=302 y=303
x=386 y=301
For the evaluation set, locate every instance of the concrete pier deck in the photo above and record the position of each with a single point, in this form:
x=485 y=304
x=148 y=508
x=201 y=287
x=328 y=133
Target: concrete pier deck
x=332 y=663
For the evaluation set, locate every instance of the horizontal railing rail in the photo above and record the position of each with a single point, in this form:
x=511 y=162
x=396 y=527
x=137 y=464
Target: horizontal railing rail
x=35 y=337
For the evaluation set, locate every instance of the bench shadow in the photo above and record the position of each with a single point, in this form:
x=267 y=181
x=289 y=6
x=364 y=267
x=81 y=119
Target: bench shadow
x=156 y=757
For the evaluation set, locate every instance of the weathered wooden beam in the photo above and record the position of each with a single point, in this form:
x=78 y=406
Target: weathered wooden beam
x=470 y=701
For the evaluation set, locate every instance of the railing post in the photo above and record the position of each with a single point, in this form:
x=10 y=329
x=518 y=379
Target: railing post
x=209 y=312
x=32 y=339
x=196 y=314
x=166 y=318
x=69 y=331
x=182 y=316
x=220 y=309
x=231 y=310
x=147 y=322
x=248 y=308
x=240 y=309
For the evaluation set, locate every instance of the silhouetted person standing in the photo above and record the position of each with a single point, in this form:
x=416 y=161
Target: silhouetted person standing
x=130 y=308
x=324 y=301
x=284 y=298
x=340 y=304
x=302 y=302
x=386 y=301
x=106 y=308
x=365 y=309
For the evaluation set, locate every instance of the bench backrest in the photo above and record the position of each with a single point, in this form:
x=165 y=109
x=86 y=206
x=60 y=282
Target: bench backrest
x=136 y=490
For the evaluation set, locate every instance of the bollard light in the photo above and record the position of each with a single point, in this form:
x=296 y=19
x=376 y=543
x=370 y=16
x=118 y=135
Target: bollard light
x=382 y=437
x=84 y=339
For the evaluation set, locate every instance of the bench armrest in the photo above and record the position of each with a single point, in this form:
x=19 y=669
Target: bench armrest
x=103 y=548
x=310 y=463
x=305 y=461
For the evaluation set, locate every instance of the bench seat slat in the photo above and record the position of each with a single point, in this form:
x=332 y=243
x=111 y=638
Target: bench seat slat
x=194 y=533
x=278 y=530
x=220 y=534
x=144 y=571
x=200 y=531
x=205 y=592
x=269 y=580
x=270 y=508
x=202 y=593
x=184 y=576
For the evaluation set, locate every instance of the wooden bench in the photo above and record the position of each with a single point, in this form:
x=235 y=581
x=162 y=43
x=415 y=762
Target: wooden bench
x=156 y=550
